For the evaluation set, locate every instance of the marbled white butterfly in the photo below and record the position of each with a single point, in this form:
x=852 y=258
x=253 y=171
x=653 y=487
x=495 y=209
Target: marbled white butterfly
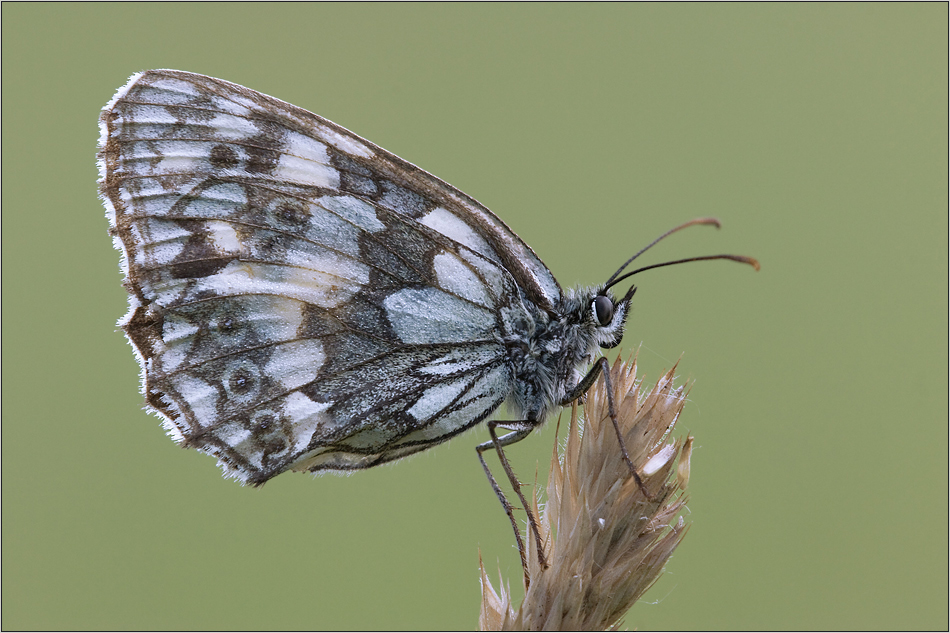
x=301 y=299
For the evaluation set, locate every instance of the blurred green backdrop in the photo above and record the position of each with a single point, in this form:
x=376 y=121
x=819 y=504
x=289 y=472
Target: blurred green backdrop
x=817 y=133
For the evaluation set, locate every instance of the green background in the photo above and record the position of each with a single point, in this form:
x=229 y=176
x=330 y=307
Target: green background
x=817 y=134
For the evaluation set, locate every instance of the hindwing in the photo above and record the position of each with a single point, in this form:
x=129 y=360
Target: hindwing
x=300 y=298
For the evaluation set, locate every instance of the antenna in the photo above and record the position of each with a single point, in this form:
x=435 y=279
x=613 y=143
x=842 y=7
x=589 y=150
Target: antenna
x=615 y=279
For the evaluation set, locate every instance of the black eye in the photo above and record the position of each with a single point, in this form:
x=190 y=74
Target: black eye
x=603 y=310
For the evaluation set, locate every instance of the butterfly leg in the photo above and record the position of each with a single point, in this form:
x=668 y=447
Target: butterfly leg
x=521 y=429
x=601 y=366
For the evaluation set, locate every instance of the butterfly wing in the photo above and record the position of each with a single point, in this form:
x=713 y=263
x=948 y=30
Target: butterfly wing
x=300 y=298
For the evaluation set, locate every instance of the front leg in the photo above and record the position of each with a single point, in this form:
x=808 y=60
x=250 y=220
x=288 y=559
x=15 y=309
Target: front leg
x=601 y=366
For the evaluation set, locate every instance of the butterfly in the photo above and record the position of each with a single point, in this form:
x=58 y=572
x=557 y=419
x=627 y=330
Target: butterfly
x=302 y=299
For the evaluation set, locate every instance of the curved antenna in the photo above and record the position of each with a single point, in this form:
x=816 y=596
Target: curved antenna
x=736 y=258
x=701 y=221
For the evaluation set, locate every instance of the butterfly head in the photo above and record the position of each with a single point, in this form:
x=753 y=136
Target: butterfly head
x=600 y=314
x=608 y=316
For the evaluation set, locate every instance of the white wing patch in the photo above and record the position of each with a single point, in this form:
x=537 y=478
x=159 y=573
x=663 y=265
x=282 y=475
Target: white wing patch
x=460 y=360
x=436 y=398
x=296 y=363
x=202 y=398
x=478 y=400
x=449 y=225
x=171 y=86
x=428 y=315
x=223 y=236
x=228 y=127
x=343 y=143
x=309 y=414
x=306 y=172
x=326 y=289
x=457 y=278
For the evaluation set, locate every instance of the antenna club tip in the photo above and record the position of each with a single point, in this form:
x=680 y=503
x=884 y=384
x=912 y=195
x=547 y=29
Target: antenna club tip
x=754 y=263
x=710 y=221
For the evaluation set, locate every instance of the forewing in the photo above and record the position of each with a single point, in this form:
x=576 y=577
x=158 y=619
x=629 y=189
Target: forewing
x=268 y=136
x=292 y=307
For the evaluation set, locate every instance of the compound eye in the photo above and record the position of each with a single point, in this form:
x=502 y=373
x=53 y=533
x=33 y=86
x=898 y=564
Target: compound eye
x=603 y=310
